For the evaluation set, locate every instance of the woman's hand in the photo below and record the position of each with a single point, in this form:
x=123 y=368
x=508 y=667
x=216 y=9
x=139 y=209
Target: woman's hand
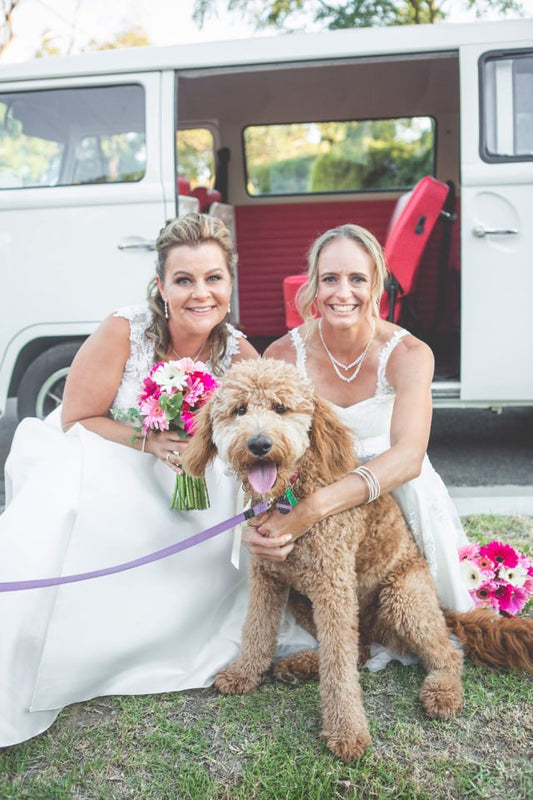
x=167 y=446
x=272 y=535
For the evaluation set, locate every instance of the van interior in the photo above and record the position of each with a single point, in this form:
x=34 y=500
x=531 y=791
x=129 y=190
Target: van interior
x=274 y=224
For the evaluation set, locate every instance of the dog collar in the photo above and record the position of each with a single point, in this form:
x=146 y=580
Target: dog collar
x=287 y=501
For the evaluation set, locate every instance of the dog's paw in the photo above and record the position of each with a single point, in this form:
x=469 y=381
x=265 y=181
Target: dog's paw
x=348 y=746
x=233 y=681
x=364 y=655
x=300 y=667
x=442 y=697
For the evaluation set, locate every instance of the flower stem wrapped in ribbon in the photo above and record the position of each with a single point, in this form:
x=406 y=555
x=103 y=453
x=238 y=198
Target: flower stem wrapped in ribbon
x=497 y=576
x=171 y=394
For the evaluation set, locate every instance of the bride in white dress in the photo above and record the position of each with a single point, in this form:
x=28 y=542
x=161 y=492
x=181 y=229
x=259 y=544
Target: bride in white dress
x=379 y=377
x=87 y=499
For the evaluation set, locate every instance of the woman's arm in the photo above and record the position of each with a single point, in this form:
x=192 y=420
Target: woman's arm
x=410 y=371
x=92 y=384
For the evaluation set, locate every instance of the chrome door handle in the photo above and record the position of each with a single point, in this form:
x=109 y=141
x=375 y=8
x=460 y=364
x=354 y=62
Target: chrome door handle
x=136 y=244
x=480 y=231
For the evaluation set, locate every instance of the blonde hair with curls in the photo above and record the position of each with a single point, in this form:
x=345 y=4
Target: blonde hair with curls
x=306 y=295
x=192 y=230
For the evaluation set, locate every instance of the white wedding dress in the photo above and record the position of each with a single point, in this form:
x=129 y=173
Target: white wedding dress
x=425 y=502
x=77 y=502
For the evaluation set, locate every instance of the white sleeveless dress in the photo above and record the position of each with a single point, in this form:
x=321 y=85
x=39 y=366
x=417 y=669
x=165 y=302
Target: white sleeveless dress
x=425 y=502
x=77 y=502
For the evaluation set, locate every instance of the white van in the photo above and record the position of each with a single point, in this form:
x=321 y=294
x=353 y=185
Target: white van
x=284 y=137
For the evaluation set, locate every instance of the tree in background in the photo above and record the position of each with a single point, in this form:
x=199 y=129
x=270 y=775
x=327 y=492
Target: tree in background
x=6 y=22
x=350 y=13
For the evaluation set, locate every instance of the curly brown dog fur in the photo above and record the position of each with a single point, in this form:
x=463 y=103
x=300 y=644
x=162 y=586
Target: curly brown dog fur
x=355 y=577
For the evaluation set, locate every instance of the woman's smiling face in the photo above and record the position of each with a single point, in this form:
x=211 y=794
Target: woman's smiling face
x=345 y=276
x=197 y=287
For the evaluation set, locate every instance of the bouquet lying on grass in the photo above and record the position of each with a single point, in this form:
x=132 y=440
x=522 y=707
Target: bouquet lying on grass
x=171 y=394
x=497 y=576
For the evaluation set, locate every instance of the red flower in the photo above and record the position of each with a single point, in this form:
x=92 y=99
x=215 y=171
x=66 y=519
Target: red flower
x=511 y=599
x=150 y=389
x=502 y=554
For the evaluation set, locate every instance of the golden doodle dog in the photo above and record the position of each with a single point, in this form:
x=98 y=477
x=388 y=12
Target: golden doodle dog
x=359 y=572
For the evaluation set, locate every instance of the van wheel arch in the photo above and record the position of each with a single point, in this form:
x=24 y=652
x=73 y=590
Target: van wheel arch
x=41 y=387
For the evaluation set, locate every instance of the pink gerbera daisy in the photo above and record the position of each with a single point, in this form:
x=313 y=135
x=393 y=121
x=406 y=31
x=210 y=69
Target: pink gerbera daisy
x=511 y=599
x=468 y=552
x=154 y=415
x=502 y=554
x=150 y=389
x=188 y=420
x=484 y=595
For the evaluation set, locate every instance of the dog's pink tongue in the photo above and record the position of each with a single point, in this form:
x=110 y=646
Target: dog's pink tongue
x=262 y=476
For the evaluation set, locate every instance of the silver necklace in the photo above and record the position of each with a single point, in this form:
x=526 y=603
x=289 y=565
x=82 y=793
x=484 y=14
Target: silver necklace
x=345 y=367
x=358 y=361
x=194 y=358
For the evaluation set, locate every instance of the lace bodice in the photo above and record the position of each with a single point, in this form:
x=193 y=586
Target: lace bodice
x=370 y=419
x=141 y=358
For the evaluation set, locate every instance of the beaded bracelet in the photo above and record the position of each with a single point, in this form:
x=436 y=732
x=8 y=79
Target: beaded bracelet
x=374 y=489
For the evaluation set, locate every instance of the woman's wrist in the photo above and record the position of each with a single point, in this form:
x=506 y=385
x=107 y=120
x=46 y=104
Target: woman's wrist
x=317 y=506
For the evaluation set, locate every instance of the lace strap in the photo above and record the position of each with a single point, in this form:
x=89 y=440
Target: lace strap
x=232 y=346
x=299 y=346
x=139 y=317
x=383 y=386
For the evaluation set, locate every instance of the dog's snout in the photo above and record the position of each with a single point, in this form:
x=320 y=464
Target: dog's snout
x=259 y=445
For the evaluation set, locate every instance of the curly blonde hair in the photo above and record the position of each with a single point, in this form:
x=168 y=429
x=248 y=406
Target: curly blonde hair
x=307 y=293
x=192 y=230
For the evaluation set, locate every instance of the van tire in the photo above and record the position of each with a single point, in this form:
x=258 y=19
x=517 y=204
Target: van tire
x=41 y=387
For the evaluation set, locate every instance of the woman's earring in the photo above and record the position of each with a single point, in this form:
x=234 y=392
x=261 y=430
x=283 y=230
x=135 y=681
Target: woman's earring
x=166 y=310
x=229 y=309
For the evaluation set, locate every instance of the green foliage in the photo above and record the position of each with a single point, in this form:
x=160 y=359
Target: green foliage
x=347 y=14
x=289 y=176
x=196 y=156
x=338 y=156
x=330 y=170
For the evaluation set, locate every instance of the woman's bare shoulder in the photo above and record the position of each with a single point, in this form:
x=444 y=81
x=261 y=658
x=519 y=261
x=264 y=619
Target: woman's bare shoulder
x=282 y=349
x=410 y=358
x=246 y=350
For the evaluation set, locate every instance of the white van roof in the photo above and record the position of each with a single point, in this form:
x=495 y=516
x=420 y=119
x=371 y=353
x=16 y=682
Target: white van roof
x=362 y=42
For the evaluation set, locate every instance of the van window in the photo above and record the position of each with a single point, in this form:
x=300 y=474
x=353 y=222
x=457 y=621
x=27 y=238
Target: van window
x=196 y=156
x=507 y=107
x=354 y=156
x=61 y=137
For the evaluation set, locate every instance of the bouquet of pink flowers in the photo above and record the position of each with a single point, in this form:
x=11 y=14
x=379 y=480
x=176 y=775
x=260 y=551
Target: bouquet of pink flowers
x=497 y=576
x=171 y=394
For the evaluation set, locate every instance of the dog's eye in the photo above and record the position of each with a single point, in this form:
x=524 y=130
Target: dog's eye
x=240 y=411
x=280 y=408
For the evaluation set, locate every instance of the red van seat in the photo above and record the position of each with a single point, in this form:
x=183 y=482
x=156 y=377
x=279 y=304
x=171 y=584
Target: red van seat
x=206 y=197
x=409 y=229
x=184 y=186
x=291 y=284
x=411 y=225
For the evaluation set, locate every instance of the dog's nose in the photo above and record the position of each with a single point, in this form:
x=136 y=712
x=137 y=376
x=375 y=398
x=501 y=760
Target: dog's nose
x=259 y=445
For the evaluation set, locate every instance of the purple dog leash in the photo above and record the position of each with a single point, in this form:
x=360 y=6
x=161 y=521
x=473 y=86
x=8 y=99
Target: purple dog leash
x=209 y=533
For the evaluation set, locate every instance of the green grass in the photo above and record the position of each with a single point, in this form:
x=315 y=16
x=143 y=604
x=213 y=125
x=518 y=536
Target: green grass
x=198 y=745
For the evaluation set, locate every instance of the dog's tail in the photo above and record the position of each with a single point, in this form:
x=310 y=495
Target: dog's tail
x=502 y=642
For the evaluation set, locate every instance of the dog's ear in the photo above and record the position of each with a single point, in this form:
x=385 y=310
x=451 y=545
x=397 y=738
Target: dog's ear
x=200 y=451
x=331 y=441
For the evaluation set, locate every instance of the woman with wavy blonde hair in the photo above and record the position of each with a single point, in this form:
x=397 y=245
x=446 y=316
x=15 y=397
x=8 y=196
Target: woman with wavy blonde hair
x=93 y=496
